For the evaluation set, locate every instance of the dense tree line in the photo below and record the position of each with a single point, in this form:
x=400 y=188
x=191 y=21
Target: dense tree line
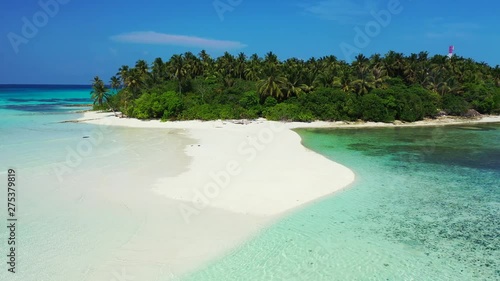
x=378 y=88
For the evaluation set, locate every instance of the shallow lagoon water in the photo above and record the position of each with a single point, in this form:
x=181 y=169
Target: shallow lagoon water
x=68 y=226
x=425 y=206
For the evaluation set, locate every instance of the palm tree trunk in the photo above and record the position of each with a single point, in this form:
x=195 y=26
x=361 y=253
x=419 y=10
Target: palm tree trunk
x=112 y=109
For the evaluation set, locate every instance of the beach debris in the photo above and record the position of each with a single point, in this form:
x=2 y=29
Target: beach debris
x=241 y=122
x=471 y=113
x=441 y=113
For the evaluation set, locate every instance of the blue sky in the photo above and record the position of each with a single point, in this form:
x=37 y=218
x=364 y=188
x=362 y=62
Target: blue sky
x=70 y=41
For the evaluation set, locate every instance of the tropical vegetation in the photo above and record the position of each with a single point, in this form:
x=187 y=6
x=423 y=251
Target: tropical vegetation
x=375 y=88
x=99 y=93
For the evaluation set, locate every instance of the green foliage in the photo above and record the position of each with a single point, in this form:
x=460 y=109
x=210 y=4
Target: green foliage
x=496 y=101
x=390 y=98
x=250 y=102
x=330 y=104
x=102 y=107
x=454 y=105
x=114 y=101
x=430 y=100
x=408 y=103
x=207 y=112
x=270 y=102
x=410 y=107
x=199 y=112
x=374 y=109
x=155 y=106
x=395 y=82
x=288 y=112
x=249 y=99
x=100 y=94
x=379 y=88
x=481 y=97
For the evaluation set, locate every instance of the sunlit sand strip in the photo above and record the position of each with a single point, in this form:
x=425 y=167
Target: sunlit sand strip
x=242 y=176
x=255 y=167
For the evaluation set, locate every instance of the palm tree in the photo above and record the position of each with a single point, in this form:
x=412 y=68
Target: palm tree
x=142 y=68
x=364 y=82
x=226 y=65
x=294 y=89
x=272 y=86
x=496 y=75
x=123 y=73
x=135 y=82
x=379 y=75
x=207 y=63
x=311 y=72
x=192 y=65
x=326 y=78
x=225 y=79
x=360 y=60
x=293 y=70
x=394 y=64
x=158 y=70
x=178 y=70
x=344 y=81
x=423 y=56
x=99 y=92
x=115 y=83
x=376 y=61
x=253 y=70
x=453 y=87
x=275 y=83
x=241 y=63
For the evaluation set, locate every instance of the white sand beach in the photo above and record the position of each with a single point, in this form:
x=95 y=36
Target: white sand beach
x=241 y=176
x=248 y=167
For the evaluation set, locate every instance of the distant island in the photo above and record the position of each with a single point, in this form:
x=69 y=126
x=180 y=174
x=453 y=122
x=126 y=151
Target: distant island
x=376 y=88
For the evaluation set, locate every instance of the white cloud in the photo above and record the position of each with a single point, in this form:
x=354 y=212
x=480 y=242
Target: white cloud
x=155 y=38
x=342 y=11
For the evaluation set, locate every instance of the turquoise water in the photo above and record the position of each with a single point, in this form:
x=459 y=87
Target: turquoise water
x=425 y=206
x=31 y=117
x=72 y=219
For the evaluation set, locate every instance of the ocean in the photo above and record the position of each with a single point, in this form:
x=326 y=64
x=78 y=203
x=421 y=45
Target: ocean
x=425 y=204
x=72 y=180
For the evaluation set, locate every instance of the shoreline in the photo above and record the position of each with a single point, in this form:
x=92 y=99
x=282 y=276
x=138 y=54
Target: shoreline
x=240 y=179
x=90 y=116
x=248 y=140
x=243 y=176
x=440 y=121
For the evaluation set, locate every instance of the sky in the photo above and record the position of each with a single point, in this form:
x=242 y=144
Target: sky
x=71 y=41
